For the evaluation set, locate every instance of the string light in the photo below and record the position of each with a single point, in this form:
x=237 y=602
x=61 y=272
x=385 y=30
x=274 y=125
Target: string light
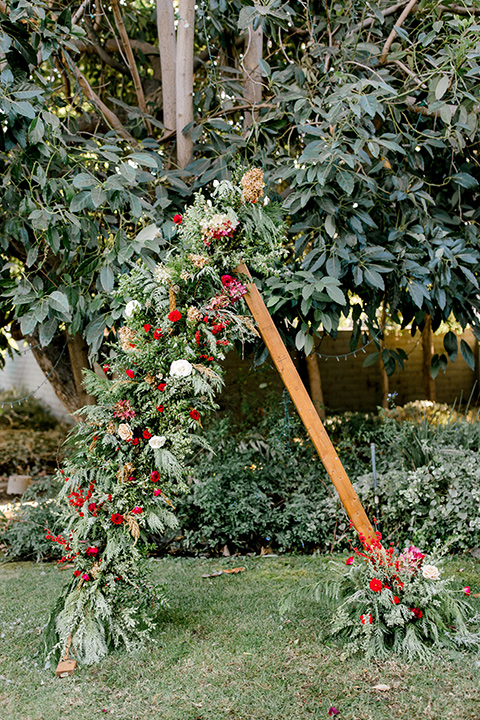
x=18 y=401
x=354 y=352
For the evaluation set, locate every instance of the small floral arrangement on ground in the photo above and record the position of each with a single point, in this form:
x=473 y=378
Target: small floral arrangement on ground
x=390 y=601
x=129 y=451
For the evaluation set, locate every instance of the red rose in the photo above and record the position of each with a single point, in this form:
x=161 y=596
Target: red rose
x=375 y=585
x=177 y=219
x=174 y=316
x=194 y=415
x=117 y=519
x=137 y=510
x=147 y=327
x=157 y=334
x=106 y=368
x=135 y=441
x=417 y=613
x=130 y=373
x=160 y=408
x=154 y=476
x=147 y=434
x=91 y=551
x=395 y=600
x=162 y=386
x=226 y=280
x=77 y=572
x=92 y=507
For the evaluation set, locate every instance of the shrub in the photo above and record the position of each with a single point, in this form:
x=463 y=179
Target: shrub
x=24 y=534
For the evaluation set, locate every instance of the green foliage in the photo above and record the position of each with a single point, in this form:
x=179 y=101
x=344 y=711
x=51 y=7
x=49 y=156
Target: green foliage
x=386 y=602
x=24 y=534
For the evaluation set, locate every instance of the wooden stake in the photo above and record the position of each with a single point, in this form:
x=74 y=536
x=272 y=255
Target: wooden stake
x=306 y=410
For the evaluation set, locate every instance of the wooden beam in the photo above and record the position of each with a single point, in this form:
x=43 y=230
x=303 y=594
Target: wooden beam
x=307 y=411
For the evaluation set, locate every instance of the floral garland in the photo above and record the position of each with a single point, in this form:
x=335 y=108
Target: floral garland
x=386 y=601
x=130 y=450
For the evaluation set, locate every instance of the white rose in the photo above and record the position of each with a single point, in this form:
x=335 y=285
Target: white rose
x=431 y=572
x=181 y=368
x=157 y=441
x=125 y=431
x=131 y=307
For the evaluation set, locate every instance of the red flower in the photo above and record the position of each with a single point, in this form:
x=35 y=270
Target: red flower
x=135 y=441
x=177 y=219
x=154 y=476
x=162 y=386
x=91 y=551
x=130 y=373
x=157 y=334
x=117 y=519
x=160 y=408
x=226 y=280
x=417 y=613
x=349 y=561
x=106 y=368
x=395 y=600
x=137 y=510
x=375 y=585
x=92 y=507
x=147 y=434
x=467 y=590
x=194 y=415
x=77 y=572
x=174 y=316
x=364 y=619
x=147 y=327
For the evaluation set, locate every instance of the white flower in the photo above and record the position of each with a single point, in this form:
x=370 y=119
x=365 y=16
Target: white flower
x=181 y=368
x=431 y=572
x=162 y=274
x=131 y=307
x=157 y=441
x=125 y=431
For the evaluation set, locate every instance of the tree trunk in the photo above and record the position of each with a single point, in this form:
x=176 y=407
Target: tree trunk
x=78 y=353
x=383 y=373
x=184 y=81
x=54 y=361
x=428 y=352
x=315 y=382
x=168 y=54
x=252 y=77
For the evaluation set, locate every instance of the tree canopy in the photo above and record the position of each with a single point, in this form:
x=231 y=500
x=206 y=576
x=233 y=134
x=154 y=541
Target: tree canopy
x=363 y=117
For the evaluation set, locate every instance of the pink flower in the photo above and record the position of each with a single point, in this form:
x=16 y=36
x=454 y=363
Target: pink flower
x=333 y=711
x=349 y=561
x=85 y=577
x=130 y=373
x=154 y=476
x=467 y=590
x=91 y=551
x=137 y=510
x=157 y=491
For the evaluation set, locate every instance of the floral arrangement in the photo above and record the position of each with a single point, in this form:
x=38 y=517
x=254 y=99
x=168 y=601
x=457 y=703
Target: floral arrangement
x=388 y=601
x=129 y=452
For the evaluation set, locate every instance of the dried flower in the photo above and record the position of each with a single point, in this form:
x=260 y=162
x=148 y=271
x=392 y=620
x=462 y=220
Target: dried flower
x=123 y=410
x=125 y=472
x=252 y=185
x=198 y=261
x=127 y=337
x=194 y=315
x=111 y=428
x=150 y=379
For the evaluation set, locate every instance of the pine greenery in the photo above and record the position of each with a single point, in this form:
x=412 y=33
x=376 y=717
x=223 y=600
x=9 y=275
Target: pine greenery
x=128 y=453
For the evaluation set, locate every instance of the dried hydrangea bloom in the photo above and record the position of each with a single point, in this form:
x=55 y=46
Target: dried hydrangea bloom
x=127 y=338
x=198 y=261
x=194 y=315
x=162 y=274
x=252 y=185
x=150 y=379
x=111 y=428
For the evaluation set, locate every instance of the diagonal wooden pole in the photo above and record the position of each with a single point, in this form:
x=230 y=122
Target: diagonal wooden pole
x=307 y=411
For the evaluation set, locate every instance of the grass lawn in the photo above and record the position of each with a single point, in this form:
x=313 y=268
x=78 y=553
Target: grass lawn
x=222 y=651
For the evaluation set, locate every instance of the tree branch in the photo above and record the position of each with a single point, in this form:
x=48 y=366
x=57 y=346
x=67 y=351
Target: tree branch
x=102 y=54
x=168 y=61
x=368 y=22
x=184 y=79
x=110 y=116
x=459 y=9
x=393 y=34
x=131 y=61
